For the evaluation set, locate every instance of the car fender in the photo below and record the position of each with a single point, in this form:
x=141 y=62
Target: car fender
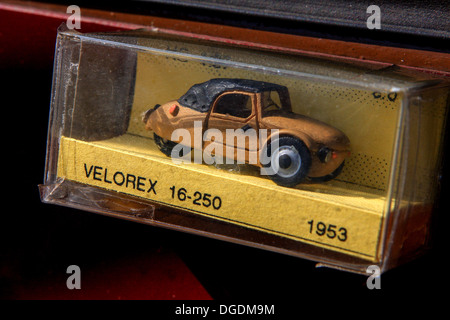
x=307 y=140
x=158 y=121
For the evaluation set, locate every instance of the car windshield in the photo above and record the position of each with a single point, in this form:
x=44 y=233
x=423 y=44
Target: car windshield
x=274 y=101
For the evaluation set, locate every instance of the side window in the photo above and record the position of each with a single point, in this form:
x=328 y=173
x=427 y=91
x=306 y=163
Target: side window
x=234 y=104
x=270 y=102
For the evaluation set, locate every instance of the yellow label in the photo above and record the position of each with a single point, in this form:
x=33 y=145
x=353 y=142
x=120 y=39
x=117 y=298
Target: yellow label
x=346 y=222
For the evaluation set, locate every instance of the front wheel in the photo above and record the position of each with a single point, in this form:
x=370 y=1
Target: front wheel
x=166 y=147
x=289 y=162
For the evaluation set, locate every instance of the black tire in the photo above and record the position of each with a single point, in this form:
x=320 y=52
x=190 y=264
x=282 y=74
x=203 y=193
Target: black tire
x=290 y=163
x=330 y=176
x=165 y=146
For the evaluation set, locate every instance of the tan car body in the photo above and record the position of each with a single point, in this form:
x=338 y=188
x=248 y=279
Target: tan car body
x=165 y=119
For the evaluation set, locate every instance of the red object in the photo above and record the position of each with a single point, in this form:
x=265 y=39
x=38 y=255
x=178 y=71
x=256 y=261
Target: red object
x=174 y=110
x=28 y=34
x=154 y=275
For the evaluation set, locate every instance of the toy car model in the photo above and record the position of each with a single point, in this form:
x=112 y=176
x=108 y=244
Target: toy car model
x=298 y=147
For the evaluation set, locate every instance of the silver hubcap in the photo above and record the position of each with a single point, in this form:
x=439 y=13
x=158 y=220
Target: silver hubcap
x=286 y=161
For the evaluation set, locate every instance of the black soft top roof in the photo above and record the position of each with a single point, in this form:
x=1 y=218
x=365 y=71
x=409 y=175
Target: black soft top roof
x=200 y=96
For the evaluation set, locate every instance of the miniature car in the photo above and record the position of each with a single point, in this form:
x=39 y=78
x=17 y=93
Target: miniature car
x=295 y=146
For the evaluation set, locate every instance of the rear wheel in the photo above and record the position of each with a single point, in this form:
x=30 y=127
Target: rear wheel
x=290 y=161
x=164 y=145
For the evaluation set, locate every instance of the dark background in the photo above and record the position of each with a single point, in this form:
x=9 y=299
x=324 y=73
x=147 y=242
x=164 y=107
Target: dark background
x=38 y=241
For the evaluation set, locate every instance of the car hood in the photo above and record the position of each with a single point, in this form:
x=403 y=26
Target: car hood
x=320 y=132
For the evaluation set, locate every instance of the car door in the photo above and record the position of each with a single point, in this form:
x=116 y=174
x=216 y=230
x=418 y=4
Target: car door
x=232 y=125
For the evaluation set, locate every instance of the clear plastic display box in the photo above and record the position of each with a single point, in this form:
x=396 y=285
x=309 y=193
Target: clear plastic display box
x=323 y=159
